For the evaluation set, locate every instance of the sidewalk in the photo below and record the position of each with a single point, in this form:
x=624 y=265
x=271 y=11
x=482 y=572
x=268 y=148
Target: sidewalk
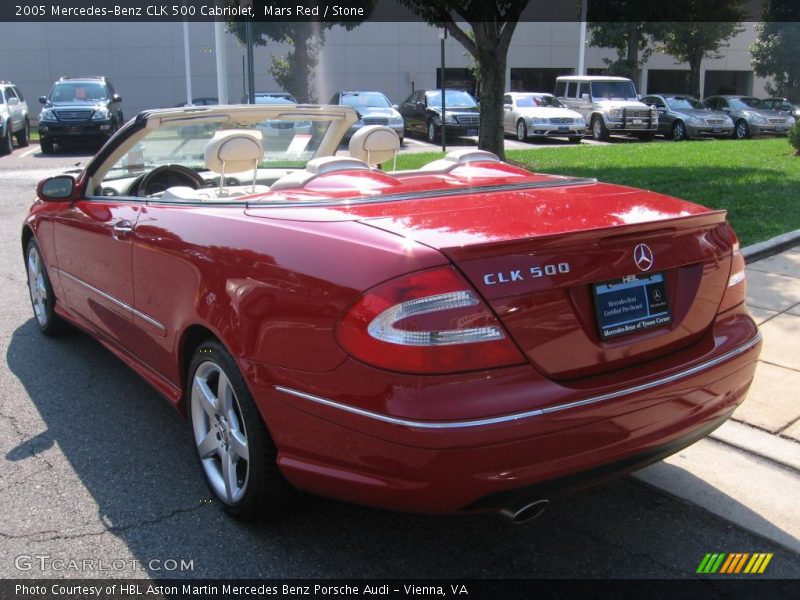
x=748 y=471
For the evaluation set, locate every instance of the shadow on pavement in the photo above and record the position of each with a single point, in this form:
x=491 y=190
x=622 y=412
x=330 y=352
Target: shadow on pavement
x=133 y=454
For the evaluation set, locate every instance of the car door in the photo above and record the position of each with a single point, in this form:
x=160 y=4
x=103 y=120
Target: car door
x=406 y=109
x=14 y=109
x=93 y=243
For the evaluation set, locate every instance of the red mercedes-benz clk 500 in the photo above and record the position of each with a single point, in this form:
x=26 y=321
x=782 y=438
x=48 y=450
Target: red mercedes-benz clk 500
x=467 y=336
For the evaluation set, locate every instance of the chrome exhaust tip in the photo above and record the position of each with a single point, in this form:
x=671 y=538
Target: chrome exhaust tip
x=527 y=512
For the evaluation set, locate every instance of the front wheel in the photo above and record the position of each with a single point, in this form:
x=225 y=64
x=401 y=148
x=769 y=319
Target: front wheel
x=43 y=300
x=234 y=448
x=46 y=145
x=432 y=137
x=742 y=130
x=599 y=129
x=7 y=144
x=679 y=131
x=24 y=136
x=522 y=131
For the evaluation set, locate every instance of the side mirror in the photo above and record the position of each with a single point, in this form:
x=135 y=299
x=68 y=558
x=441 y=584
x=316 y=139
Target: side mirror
x=396 y=107
x=585 y=97
x=507 y=107
x=420 y=105
x=116 y=98
x=56 y=189
x=42 y=99
x=13 y=101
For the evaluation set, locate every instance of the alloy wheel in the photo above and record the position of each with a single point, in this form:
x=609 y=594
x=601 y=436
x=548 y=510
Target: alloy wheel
x=219 y=432
x=431 y=132
x=37 y=285
x=679 y=131
x=522 y=131
x=742 y=130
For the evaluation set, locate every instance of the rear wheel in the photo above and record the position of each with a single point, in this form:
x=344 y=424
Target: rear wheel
x=742 y=130
x=679 y=131
x=43 y=300
x=23 y=137
x=522 y=131
x=599 y=129
x=234 y=448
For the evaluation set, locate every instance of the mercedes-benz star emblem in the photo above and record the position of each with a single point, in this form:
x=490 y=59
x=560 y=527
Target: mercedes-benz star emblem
x=643 y=257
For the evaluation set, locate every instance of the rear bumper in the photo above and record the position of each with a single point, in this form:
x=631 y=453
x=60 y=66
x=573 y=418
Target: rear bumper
x=338 y=449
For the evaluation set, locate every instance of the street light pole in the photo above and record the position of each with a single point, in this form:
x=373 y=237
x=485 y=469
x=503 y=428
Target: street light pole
x=442 y=38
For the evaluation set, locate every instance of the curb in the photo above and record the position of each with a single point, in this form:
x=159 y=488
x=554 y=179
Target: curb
x=771 y=246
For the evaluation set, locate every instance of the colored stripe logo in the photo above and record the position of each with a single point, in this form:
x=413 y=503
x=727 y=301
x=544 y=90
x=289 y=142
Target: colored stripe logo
x=736 y=562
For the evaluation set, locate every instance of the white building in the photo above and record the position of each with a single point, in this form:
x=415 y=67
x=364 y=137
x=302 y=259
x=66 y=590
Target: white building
x=145 y=61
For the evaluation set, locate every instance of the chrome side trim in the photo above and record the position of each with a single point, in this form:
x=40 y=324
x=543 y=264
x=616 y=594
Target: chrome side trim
x=114 y=300
x=530 y=413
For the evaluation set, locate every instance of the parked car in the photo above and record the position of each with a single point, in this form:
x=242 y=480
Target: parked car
x=373 y=108
x=14 y=119
x=529 y=114
x=783 y=105
x=462 y=337
x=202 y=101
x=609 y=105
x=681 y=117
x=751 y=116
x=271 y=98
x=422 y=112
x=79 y=109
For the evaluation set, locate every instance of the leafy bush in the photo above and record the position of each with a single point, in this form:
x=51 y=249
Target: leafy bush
x=794 y=137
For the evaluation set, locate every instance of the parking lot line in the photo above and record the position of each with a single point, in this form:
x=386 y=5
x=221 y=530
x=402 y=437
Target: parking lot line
x=29 y=152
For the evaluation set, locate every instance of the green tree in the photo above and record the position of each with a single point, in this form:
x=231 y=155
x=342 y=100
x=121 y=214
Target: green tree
x=775 y=49
x=706 y=30
x=493 y=25
x=295 y=71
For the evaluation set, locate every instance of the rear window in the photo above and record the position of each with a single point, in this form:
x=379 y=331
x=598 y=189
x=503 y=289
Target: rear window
x=365 y=100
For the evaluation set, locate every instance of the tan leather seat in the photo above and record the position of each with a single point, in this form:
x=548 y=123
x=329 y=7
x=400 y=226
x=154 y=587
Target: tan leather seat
x=234 y=151
x=375 y=145
x=316 y=167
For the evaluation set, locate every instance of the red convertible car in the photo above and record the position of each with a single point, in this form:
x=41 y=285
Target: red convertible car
x=468 y=336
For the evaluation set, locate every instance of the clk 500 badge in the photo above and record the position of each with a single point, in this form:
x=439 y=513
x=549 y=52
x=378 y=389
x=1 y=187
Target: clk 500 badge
x=522 y=275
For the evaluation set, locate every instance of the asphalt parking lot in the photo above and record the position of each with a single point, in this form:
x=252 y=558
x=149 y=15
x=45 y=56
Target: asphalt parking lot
x=95 y=465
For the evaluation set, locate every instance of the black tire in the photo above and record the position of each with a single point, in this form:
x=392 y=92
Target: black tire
x=263 y=488
x=679 y=132
x=46 y=319
x=741 y=130
x=521 y=131
x=7 y=144
x=46 y=144
x=599 y=129
x=24 y=136
x=432 y=135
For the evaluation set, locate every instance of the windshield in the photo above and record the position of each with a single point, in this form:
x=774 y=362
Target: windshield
x=684 y=103
x=78 y=92
x=287 y=143
x=365 y=100
x=747 y=102
x=453 y=99
x=620 y=90
x=532 y=100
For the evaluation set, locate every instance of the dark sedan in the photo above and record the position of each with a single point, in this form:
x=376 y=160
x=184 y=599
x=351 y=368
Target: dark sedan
x=681 y=117
x=422 y=112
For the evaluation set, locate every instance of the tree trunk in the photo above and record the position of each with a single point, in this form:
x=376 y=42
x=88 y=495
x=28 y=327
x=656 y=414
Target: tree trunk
x=492 y=64
x=694 y=73
x=632 y=56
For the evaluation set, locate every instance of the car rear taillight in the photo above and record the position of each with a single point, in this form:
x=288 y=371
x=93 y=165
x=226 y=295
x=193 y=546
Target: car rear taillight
x=736 y=291
x=426 y=322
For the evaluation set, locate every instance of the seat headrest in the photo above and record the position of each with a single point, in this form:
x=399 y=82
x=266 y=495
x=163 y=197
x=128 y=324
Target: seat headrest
x=329 y=164
x=234 y=151
x=374 y=144
x=458 y=158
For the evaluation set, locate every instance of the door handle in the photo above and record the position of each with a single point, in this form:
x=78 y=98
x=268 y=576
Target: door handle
x=122 y=229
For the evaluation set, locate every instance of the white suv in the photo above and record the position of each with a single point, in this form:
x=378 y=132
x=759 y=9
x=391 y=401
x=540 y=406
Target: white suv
x=609 y=105
x=14 y=119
